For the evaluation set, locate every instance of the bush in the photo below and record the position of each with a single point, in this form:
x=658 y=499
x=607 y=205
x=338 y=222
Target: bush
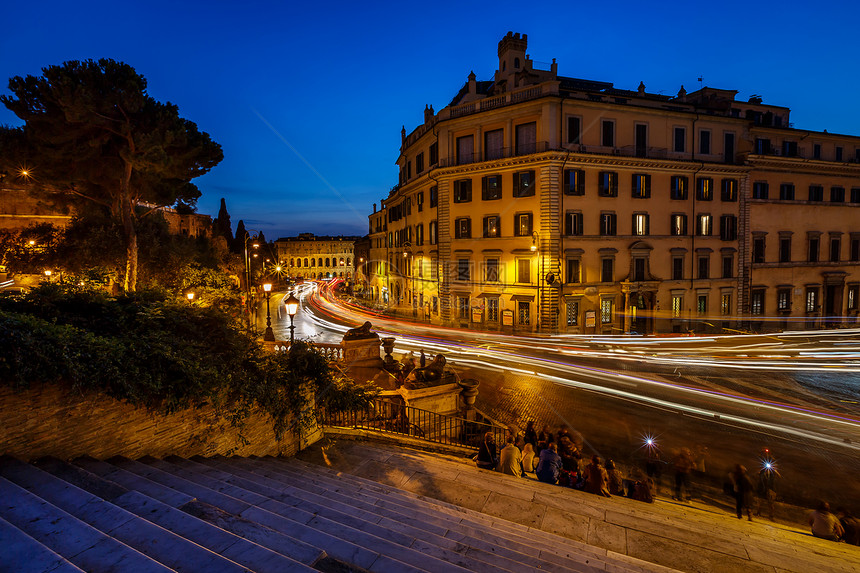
x=151 y=351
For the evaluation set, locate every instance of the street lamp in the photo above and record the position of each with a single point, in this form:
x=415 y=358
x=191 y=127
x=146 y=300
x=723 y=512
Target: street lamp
x=190 y=297
x=292 y=304
x=269 y=335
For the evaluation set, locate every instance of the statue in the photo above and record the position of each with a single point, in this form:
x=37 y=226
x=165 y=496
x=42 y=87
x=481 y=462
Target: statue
x=360 y=332
x=429 y=376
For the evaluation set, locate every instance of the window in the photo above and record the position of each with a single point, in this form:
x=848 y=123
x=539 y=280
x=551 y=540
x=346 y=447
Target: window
x=835 y=246
x=728 y=266
x=729 y=147
x=811 y=299
x=853 y=295
x=785 y=249
x=641 y=186
x=704 y=189
x=419 y=163
x=572 y=313
x=705 y=142
x=523 y=224
x=463 y=228
x=434 y=196
x=462 y=190
x=816 y=151
x=491 y=270
x=607 y=133
x=838 y=153
x=783 y=300
x=434 y=153
x=680 y=140
x=524 y=267
x=463 y=269
x=639 y=265
x=606 y=310
x=491 y=187
x=608 y=224
x=855 y=250
x=816 y=193
x=812 y=254
x=677 y=268
x=758 y=249
x=463 y=307
x=640 y=224
x=678 y=189
x=855 y=194
x=760 y=190
x=729 y=190
x=726 y=304
x=640 y=139
x=523 y=312
x=492 y=226
x=757 y=302
x=704 y=267
x=704 y=225
x=762 y=146
x=789 y=148
x=702 y=304
x=786 y=192
x=728 y=227
x=606 y=270
x=677 y=305
x=607 y=184
x=419 y=200
x=678 y=224
x=573 y=224
x=492 y=309
x=494 y=142
x=524 y=184
x=573 y=270
x=574 y=130
x=465 y=149
x=419 y=235
x=574 y=182
x=526 y=138
x=837 y=194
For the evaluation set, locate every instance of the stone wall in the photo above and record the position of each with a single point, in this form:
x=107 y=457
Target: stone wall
x=50 y=421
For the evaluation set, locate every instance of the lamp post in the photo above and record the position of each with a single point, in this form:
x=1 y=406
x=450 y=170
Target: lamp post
x=292 y=304
x=269 y=335
x=190 y=297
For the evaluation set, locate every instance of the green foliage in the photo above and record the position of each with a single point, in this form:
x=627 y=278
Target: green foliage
x=152 y=351
x=29 y=250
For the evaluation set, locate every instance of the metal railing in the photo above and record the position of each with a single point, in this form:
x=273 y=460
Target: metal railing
x=398 y=418
x=332 y=352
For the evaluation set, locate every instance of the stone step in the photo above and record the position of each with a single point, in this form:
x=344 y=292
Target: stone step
x=23 y=553
x=418 y=514
x=153 y=541
x=84 y=546
x=224 y=543
x=132 y=481
x=349 y=527
x=297 y=528
x=473 y=523
x=402 y=529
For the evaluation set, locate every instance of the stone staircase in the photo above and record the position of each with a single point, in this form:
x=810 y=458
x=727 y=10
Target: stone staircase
x=261 y=514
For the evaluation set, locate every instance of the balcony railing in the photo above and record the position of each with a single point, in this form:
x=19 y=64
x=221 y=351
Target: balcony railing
x=398 y=418
x=332 y=352
x=493 y=154
x=509 y=98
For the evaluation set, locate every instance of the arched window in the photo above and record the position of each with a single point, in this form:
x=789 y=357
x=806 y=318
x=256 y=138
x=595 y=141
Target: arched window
x=306 y=262
x=348 y=261
x=292 y=263
x=327 y=262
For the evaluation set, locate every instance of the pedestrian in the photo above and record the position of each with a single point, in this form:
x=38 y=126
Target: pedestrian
x=530 y=436
x=824 y=524
x=766 y=489
x=510 y=459
x=487 y=453
x=743 y=489
x=653 y=465
x=596 y=478
x=702 y=455
x=683 y=467
x=549 y=464
x=423 y=359
x=850 y=526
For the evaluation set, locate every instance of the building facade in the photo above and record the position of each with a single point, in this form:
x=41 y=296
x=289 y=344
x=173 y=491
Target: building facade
x=538 y=202
x=310 y=257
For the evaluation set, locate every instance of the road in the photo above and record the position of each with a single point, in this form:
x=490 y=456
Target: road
x=794 y=393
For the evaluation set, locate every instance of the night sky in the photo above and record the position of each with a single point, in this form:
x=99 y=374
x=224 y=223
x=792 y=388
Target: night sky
x=307 y=98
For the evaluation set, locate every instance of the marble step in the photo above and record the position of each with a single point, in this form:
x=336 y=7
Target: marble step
x=132 y=481
x=402 y=529
x=155 y=542
x=346 y=527
x=23 y=553
x=82 y=545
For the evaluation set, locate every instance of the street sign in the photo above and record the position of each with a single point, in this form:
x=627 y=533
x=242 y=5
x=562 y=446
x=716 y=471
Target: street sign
x=590 y=319
x=507 y=318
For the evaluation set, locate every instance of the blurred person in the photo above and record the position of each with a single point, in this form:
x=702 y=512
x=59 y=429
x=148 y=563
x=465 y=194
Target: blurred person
x=616 y=478
x=743 y=489
x=570 y=456
x=850 y=526
x=596 y=478
x=487 y=453
x=683 y=467
x=766 y=488
x=824 y=524
x=530 y=436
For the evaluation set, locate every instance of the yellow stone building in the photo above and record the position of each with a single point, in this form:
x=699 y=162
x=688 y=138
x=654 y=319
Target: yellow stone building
x=310 y=257
x=539 y=202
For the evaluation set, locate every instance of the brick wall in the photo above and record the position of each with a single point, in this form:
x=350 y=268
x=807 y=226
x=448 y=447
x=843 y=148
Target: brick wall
x=49 y=421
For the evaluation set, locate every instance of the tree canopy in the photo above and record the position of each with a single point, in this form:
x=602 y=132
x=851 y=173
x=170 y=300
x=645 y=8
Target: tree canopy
x=92 y=130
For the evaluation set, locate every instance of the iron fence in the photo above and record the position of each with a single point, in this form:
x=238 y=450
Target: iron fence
x=398 y=418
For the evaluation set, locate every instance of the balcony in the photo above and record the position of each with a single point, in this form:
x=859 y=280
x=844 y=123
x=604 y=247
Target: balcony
x=501 y=100
x=493 y=154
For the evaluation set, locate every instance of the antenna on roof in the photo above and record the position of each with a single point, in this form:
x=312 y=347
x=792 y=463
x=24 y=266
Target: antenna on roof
x=701 y=81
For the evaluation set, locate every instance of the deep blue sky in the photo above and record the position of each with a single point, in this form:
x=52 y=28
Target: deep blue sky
x=307 y=98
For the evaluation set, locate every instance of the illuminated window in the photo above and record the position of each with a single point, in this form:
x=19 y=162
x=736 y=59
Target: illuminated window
x=523 y=224
x=641 y=186
x=811 y=299
x=572 y=313
x=728 y=227
x=608 y=224
x=783 y=299
x=729 y=190
x=677 y=305
x=704 y=189
x=463 y=228
x=492 y=225
x=607 y=184
x=640 y=224
x=678 y=224
x=524 y=312
x=434 y=232
x=491 y=187
x=704 y=225
x=492 y=309
x=726 y=304
x=757 y=302
x=678 y=189
x=574 y=182
x=573 y=224
x=702 y=304
x=524 y=184
x=853 y=294
x=606 y=307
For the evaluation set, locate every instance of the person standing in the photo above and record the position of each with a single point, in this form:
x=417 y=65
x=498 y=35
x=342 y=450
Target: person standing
x=530 y=436
x=510 y=459
x=766 y=489
x=487 y=453
x=824 y=524
x=549 y=464
x=544 y=439
x=743 y=491
x=683 y=466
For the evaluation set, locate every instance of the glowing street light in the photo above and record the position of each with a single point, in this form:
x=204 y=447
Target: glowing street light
x=292 y=304
x=269 y=335
x=190 y=297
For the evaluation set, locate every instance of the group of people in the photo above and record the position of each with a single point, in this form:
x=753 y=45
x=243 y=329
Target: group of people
x=842 y=526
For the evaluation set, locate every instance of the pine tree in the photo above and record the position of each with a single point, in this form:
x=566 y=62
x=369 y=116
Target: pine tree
x=241 y=236
x=222 y=225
